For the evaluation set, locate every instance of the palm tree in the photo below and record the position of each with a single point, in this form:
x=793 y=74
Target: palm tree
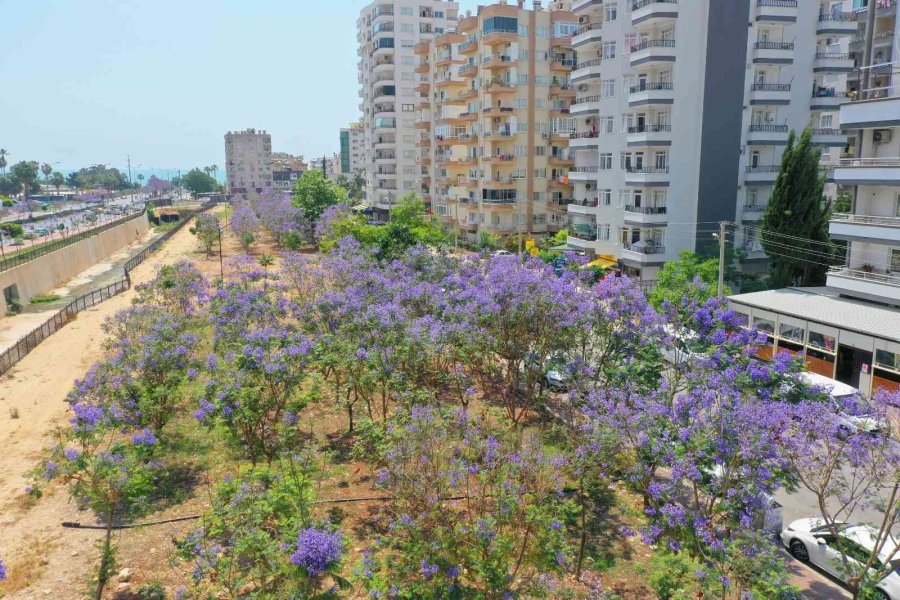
x=57 y=180
x=46 y=169
x=3 y=162
x=215 y=170
x=140 y=179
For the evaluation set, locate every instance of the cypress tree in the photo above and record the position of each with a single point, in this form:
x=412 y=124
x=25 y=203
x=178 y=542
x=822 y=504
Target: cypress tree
x=797 y=209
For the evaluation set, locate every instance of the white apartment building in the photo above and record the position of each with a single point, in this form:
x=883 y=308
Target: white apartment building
x=387 y=32
x=353 y=149
x=850 y=329
x=683 y=111
x=248 y=161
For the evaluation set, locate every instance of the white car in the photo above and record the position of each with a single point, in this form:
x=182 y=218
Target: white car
x=501 y=253
x=845 y=396
x=810 y=540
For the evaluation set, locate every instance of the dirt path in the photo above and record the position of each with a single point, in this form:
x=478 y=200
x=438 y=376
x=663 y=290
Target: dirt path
x=46 y=561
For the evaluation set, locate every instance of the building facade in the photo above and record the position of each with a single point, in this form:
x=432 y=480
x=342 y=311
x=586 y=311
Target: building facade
x=683 y=111
x=286 y=170
x=493 y=121
x=387 y=32
x=353 y=149
x=248 y=161
x=850 y=330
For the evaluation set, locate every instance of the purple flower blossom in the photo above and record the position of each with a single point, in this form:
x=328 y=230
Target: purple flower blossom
x=427 y=569
x=144 y=438
x=318 y=550
x=3 y=573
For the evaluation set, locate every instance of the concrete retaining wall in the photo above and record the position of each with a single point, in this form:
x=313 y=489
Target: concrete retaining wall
x=52 y=270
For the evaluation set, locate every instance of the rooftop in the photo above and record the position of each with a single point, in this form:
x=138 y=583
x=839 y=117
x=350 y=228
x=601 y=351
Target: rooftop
x=824 y=305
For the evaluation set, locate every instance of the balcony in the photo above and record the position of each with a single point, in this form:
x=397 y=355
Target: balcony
x=881 y=111
x=579 y=5
x=770 y=93
x=468 y=47
x=649 y=93
x=867 y=171
x=773 y=53
x=864 y=228
x=646 y=215
x=564 y=65
x=499 y=36
x=653 y=51
x=586 y=70
x=761 y=173
x=829 y=138
x=647 y=176
x=586 y=105
x=642 y=252
x=827 y=99
x=753 y=212
x=776 y=11
x=767 y=134
x=583 y=207
x=649 y=11
x=587 y=140
x=583 y=173
x=589 y=34
x=836 y=22
x=650 y=135
x=865 y=284
x=498 y=61
x=833 y=62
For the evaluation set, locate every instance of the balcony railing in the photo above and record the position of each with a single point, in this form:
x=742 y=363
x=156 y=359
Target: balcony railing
x=866 y=219
x=499 y=200
x=828 y=93
x=885 y=278
x=645 y=248
x=650 y=87
x=586 y=99
x=755 y=208
x=566 y=62
x=583 y=134
x=653 y=44
x=826 y=131
x=763 y=168
x=771 y=87
x=589 y=27
x=833 y=56
x=647 y=170
x=646 y=210
x=642 y=3
x=587 y=203
x=594 y=62
x=651 y=128
x=589 y=169
x=774 y=46
x=837 y=15
x=778 y=3
x=866 y=163
x=764 y=127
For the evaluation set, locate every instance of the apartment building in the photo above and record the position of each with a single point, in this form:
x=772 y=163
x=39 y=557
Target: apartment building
x=353 y=149
x=248 y=161
x=494 y=122
x=683 y=110
x=286 y=170
x=387 y=32
x=332 y=167
x=850 y=329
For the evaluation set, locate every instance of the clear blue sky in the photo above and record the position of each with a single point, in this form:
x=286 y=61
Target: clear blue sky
x=90 y=81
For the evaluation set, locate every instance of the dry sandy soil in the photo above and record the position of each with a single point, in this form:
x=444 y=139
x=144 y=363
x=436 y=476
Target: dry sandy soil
x=45 y=560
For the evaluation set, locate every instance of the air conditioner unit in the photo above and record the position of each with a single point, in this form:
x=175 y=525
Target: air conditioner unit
x=584 y=19
x=588 y=121
x=882 y=136
x=546 y=136
x=496 y=119
x=589 y=186
x=583 y=87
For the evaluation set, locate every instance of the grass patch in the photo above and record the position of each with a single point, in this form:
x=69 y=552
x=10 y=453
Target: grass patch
x=45 y=298
x=164 y=227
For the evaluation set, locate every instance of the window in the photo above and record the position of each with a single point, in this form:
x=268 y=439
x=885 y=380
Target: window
x=630 y=41
x=564 y=29
x=625 y=160
x=408 y=60
x=518 y=174
x=407 y=77
x=826 y=342
x=408 y=107
x=540 y=196
x=407 y=43
x=791 y=332
x=409 y=154
x=609 y=49
x=409 y=170
x=765 y=325
x=523 y=80
x=895 y=260
x=406 y=28
x=611 y=11
x=438 y=14
x=520 y=151
x=883 y=358
x=541 y=80
x=406 y=11
x=522 y=126
x=540 y=103
x=607 y=88
x=607 y=124
x=520 y=103
x=624 y=198
x=543 y=32
x=603 y=232
x=523 y=54
x=500 y=25
x=540 y=173
x=606 y=159
x=523 y=31
x=826 y=122
x=605 y=197
x=540 y=150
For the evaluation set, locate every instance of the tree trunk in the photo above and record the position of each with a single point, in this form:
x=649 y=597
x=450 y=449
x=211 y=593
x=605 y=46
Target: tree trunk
x=583 y=541
x=102 y=575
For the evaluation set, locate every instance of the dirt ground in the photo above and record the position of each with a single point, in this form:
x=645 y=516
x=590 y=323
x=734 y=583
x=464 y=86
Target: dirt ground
x=44 y=559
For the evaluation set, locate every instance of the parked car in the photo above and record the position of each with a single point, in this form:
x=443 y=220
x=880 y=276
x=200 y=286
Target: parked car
x=810 y=540
x=501 y=253
x=852 y=412
x=770 y=519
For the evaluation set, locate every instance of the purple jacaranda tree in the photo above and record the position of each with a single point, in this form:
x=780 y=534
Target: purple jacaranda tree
x=180 y=289
x=244 y=224
x=158 y=186
x=279 y=217
x=847 y=471
x=474 y=515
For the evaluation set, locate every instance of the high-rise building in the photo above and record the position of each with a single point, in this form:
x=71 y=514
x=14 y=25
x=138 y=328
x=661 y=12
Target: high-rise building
x=683 y=111
x=387 y=32
x=850 y=329
x=494 y=122
x=248 y=161
x=353 y=149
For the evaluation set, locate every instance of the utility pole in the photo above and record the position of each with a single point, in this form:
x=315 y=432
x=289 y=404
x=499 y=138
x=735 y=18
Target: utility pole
x=130 y=182
x=722 y=226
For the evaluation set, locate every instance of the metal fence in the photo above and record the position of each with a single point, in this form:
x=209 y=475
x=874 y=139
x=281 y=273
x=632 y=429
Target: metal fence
x=29 y=342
